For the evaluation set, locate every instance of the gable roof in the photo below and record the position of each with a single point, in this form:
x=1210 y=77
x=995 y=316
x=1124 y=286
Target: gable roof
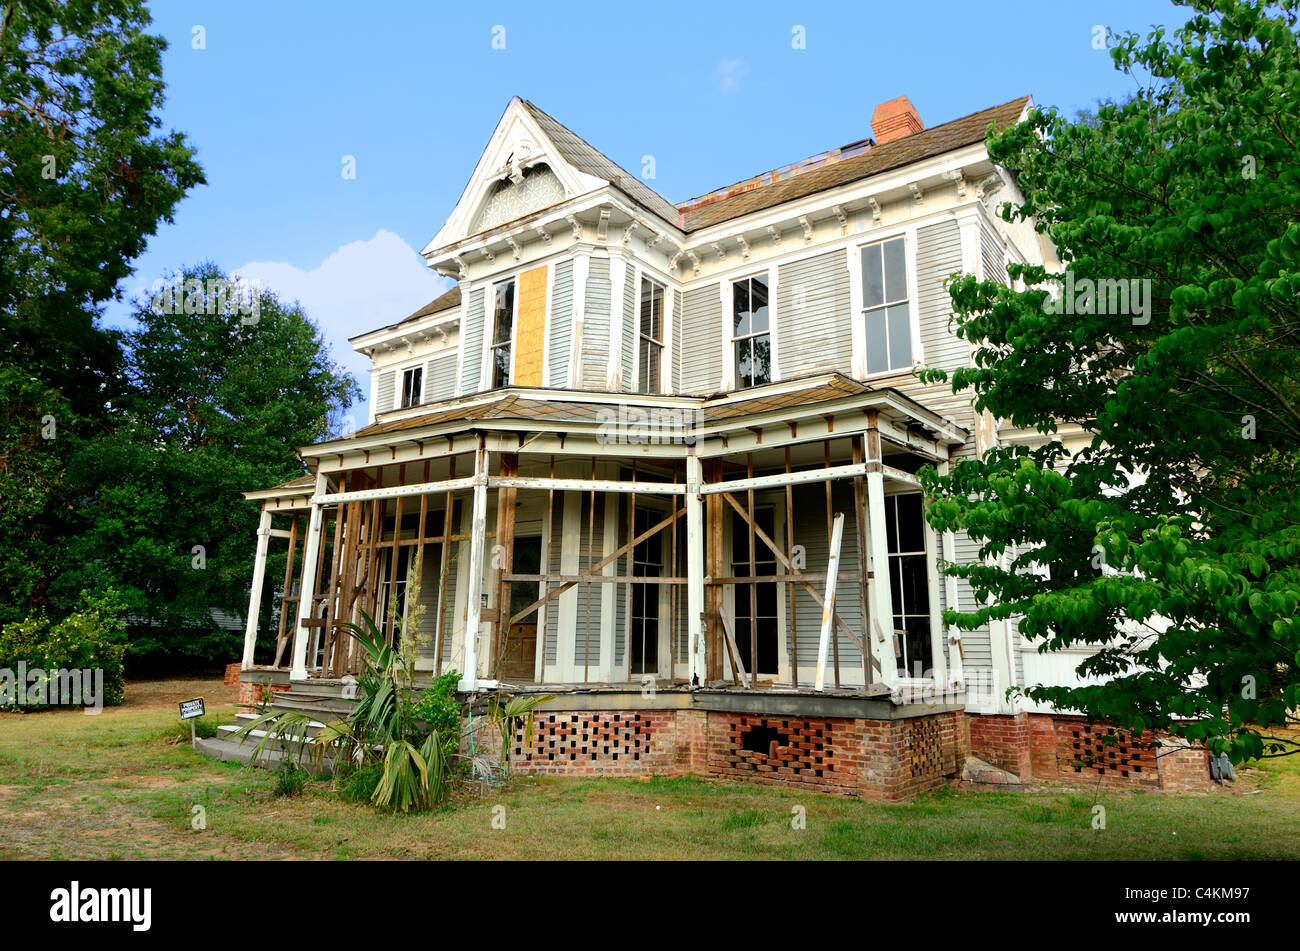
x=586 y=158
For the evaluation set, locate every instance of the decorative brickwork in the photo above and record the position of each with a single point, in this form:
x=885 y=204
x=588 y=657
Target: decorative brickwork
x=820 y=753
x=597 y=743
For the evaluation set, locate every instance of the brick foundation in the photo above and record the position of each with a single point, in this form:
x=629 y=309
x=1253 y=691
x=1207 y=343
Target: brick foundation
x=252 y=694
x=1054 y=748
x=231 y=678
x=873 y=758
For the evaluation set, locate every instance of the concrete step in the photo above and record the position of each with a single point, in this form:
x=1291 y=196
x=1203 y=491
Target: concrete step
x=324 y=710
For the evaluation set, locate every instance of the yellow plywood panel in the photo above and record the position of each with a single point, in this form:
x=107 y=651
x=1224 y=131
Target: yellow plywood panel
x=530 y=327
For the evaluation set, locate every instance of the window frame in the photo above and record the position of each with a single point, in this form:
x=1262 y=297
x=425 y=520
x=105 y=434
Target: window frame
x=908 y=300
x=732 y=339
x=491 y=344
x=644 y=341
x=418 y=396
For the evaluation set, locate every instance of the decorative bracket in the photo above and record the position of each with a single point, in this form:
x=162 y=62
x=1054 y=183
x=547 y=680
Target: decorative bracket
x=839 y=213
x=720 y=250
x=875 y=210
x=543 y=234
x=602 y=229
x=807 y=228
x=575 y=225
x=744 y=246
x=917 y=195
x=514 y=246
x=776 y=235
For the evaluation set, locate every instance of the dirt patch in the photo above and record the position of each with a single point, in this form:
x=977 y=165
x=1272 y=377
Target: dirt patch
x=151 y=694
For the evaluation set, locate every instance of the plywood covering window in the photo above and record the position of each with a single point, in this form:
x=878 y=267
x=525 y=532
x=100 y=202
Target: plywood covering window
x=502 y=333
x=885 y=307
x=412 y=386
x=650 y=360
x=751 y=337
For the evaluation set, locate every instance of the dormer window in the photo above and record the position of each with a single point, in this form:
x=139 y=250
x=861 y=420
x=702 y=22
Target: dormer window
x=412 y=386
x=502 y=333
x=751 y=339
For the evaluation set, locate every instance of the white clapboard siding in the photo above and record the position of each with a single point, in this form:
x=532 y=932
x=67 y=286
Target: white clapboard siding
x=471 y=332
x=631 y=313
x=561 y=324
x=440 y=378
x=701 y=357
x=675 y=312
x=595 y=327
x=814 y=329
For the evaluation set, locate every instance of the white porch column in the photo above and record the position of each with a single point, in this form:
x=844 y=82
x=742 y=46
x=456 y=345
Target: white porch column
x=477 y=545
x=307 y=590
x=695 y=568
x=881 y=632
x=255 y=594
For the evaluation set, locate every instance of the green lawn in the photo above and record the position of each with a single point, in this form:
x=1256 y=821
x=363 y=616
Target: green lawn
x=114 y=787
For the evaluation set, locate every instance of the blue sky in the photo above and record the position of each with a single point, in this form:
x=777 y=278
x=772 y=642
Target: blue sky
x=282 y=92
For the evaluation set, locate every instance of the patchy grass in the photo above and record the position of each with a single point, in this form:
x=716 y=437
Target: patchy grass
x=118 y=786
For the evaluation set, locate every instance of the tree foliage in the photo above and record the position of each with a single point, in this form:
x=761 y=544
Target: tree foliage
x=1169 y=542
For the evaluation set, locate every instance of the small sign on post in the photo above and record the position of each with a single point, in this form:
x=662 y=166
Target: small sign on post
x=191 y=710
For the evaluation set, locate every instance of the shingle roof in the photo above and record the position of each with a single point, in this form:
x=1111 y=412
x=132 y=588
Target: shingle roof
x=586 y=158
x=879 y=158
x=444 y=302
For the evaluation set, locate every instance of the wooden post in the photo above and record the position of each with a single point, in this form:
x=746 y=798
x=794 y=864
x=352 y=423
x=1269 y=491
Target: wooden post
x=281 y=641
x=673 y=598
x=503 y=560
x=469 y=678
x=695 y=570
x=792 y=645
x=882 y=620
x=255 y=592
x=591 y=557
x=832 y=572
x=307 y=590
x=713 y=569
x=860 y=540
x=830 y=531
x=443 y=567
x=753 y=571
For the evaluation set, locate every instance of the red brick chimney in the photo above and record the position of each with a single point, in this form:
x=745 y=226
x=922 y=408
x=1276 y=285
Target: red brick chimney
x=895 y=119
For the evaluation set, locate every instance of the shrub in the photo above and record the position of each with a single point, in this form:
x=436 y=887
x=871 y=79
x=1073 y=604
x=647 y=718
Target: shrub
x=90 y=639
x=439 y=709
x=359 y=785
x=290 y=778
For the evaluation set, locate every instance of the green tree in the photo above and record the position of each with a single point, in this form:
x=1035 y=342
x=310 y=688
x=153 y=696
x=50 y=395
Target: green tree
x=85 y=177
x=1170 y=543
x=217 y=404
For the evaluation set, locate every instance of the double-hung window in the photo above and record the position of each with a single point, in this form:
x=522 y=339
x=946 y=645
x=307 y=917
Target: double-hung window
x=751 y=337
x=412 y=384
x=885 y=307
x=502 y=333
x=651 y=332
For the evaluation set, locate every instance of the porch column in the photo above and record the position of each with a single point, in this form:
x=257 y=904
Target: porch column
x=307 y=590
x=474 y=600
x=695 y=569
x=255 y=595
x=881 y=630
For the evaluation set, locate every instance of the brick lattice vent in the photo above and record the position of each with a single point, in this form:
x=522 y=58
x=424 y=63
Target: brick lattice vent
x=562 y=738
x=1086 y=748
x=791 y=748
x=925 y=748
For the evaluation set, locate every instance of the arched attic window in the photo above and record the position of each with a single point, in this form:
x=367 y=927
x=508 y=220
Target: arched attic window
x=507 y=201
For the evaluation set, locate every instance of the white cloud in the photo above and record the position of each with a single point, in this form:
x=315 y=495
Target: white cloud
x=729 y=74
x=362 y=286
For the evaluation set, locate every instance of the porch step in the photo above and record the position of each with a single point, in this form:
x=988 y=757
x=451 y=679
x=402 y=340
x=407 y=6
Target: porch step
x=226 y=730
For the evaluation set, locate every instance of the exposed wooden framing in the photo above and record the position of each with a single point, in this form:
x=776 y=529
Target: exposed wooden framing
x=832 y=563
x=778 y=479
x=424 y=531
x=830 y=582
x=753 y=586
x=255 y=591
x=336 y=555
x=287 y=597
x=390 y=619
x=672 y=592
x=590 y=572
x=631 y=570
x=695 y=590
x=469 y=681
x=591 y=554
x=733 y=651
x=883 y=607
x=713 y=568
x=584 y=485
x=444 y=563
x=393 y=491
x=798 y=576
x=307 y=589
x=503 y=559
x=792 y=642
x=860 y=540
x=539 y=661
